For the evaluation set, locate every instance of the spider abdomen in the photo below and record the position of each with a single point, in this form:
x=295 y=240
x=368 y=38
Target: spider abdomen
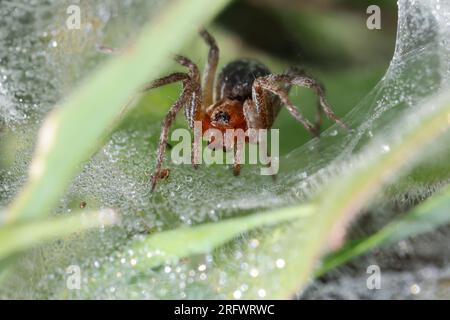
x=236 y=79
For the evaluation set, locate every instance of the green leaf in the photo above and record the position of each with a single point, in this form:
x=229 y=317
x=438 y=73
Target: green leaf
x=92 y=110
x=15 y=238
x=431 y=214
x=348 y=193
x=170 y=246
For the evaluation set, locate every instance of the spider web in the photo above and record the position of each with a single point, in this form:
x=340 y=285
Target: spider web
x=419 y=69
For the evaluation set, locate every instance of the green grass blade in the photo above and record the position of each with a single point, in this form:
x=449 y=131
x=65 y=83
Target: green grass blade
x=349 y=194
x=90 y=112
x=169 y=246
x=340 y=201
x=15 y=238
x=426 y=217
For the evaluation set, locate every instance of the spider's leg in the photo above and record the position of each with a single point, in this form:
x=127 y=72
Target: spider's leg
x=318 y=123
x=256 y=119
x=237 y=143
x=193 y=109
x=308 y=82
x=296 y=71
x=236 y=163
x=210 y=67
x=269 y=83
x=168 y=120
x=171 y=78
x=193 y=69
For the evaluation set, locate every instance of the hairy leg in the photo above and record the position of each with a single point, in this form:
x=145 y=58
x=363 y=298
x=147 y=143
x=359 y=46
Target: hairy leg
x=236 y=169
x=168 y=120
x=260 y=98
x=237 y=164
x=171 y=78
x=193 y=109
x=256 y=119
x=308 y=82
x=210 y=68
x=296 y=71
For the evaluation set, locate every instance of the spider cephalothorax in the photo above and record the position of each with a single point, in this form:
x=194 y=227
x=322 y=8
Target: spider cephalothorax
x=247 y=96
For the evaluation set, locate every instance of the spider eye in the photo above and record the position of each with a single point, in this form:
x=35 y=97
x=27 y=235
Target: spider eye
x=222 y=116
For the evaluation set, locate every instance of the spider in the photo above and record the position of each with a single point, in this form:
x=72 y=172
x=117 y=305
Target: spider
x=247 y=95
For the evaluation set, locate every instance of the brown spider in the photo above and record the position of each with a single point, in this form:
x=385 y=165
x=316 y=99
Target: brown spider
x=247 y=95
